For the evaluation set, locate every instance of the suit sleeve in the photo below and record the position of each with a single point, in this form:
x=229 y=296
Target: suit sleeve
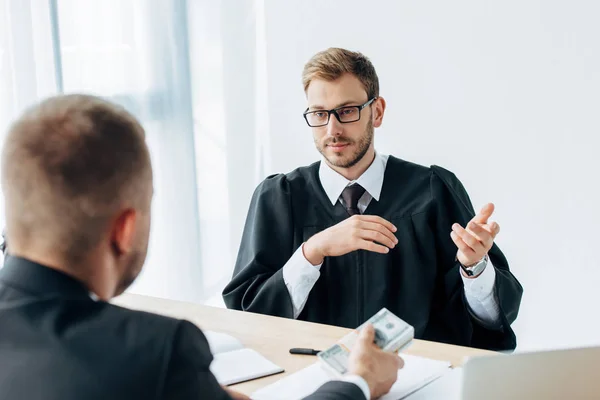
x=188 y=375
x=452 y=205
x=267 y=241
x=337 y=390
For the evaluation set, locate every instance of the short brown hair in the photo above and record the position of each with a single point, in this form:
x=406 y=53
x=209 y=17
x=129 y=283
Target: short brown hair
x=332 y=63
x=68 y=164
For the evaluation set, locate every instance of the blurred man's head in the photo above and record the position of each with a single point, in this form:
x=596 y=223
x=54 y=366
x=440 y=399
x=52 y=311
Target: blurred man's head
x=347 y=82
x=77 y=182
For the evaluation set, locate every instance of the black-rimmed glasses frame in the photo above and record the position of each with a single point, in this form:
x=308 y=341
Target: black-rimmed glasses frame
x=335 y=112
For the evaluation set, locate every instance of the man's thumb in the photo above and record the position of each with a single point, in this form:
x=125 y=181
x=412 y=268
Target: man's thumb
x=367 y=333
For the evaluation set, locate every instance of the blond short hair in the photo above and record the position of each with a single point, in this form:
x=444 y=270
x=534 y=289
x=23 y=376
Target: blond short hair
x=332 y=63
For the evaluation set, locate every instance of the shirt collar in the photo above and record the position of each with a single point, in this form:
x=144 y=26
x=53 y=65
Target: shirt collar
x=39 y=280
x=372 y=179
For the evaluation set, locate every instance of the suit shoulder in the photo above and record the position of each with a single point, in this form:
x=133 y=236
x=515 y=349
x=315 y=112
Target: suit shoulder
x=144 y=324
x=442 y=177
x=408 y=167
x=157 y=331
x=443 y=174
x=304 y=173
x=148 y=328
x=434 y=172
x=445 y=186
x=285 y=183
x=175 y=349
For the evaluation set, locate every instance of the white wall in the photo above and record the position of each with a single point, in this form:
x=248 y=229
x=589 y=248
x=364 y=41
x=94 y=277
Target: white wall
x=504 y=93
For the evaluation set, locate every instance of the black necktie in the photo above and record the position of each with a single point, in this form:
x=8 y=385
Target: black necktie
x=351 y=194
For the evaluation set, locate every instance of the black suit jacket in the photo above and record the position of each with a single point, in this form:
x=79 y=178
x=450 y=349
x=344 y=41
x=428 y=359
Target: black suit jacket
x=58 y=343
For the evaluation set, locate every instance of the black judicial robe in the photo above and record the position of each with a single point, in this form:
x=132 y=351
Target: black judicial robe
x=419 y=280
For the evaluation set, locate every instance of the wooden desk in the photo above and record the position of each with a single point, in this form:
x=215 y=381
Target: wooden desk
x=273 y=337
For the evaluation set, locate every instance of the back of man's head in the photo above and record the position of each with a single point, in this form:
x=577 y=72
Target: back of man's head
x=70 y=166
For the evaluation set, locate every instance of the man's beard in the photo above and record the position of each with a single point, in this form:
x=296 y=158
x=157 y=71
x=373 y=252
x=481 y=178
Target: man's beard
x=133 y=271
x=361 y=149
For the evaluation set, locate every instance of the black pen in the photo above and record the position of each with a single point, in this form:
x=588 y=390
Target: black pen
x=307 y=352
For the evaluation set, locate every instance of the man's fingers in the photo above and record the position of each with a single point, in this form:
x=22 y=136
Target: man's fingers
x=485 y=213
x=492 y=227
x=482 y=234
x=462 y=246
x=469 y=239
x=400 y=362
x=235 y=395
x=378 y=220
x=495 y=228
x=391 y=359
x=397 y=360
x=373 y=226
x=379 y=238
x=372 y=246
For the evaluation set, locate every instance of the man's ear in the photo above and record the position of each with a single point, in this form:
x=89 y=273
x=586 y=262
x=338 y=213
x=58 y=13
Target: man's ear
x=378 y=111
x=123 y=231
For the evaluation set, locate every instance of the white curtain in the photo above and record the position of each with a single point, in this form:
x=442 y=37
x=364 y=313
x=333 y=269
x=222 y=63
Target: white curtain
x=189 y=72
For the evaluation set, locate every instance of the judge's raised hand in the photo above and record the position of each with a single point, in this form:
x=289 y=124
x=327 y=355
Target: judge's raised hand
x=477 y=239
x=366 y=232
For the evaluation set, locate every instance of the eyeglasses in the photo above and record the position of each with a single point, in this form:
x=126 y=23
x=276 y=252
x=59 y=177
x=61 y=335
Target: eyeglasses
x=344 y=114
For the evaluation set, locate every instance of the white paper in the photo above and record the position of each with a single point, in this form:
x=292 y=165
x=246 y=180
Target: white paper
x=233 y=363
x=295 y=386
x=221 y=342
x=241 y=365
x=448 y=387
x=417 y=372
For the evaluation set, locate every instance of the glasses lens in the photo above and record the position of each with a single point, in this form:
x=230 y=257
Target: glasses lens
x=317 y=118
x=349 y=114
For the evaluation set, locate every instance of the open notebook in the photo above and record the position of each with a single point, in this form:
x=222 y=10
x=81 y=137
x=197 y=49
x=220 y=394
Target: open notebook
x=417 y=372
x=234 y=363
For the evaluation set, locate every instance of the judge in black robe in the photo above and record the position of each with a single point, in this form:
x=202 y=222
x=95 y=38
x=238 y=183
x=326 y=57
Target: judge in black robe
x=419 y=279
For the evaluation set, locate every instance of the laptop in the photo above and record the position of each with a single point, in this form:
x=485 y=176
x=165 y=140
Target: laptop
x=555 y=374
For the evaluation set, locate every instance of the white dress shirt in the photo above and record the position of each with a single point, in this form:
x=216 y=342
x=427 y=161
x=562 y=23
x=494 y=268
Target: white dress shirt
x=300 y=275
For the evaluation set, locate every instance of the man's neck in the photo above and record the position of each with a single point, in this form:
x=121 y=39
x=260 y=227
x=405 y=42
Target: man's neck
x=354 y=172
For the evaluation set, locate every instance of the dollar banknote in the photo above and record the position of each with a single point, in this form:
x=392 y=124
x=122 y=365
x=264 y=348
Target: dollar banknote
x=392 y=334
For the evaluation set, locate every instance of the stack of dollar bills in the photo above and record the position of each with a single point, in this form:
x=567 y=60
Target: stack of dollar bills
x=392 y=334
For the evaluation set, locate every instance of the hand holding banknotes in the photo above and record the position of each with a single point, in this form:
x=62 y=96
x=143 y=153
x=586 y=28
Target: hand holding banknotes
x=235 y=395
x=371 y=351
x=366 y=232
x=378 y=368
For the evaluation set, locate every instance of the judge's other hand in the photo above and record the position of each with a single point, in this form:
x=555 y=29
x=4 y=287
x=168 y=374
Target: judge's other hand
x=474 y=242
x=235 y=395
x=366 y=232
x=378 y=368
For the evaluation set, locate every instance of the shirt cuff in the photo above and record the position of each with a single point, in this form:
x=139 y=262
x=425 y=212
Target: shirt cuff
x=360 y=382
x=481 y=298
x=300 y=276
x=482 y=286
